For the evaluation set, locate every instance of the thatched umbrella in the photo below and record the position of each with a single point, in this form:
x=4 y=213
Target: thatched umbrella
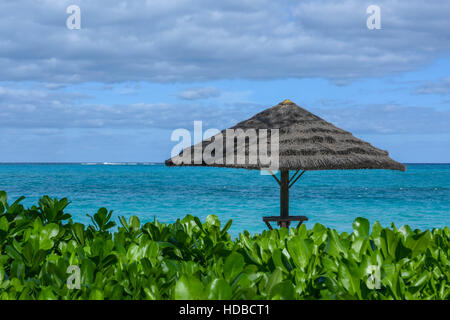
x=306 y=142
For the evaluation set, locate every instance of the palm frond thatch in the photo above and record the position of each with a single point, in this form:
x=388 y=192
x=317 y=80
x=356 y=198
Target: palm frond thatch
x=306 y=142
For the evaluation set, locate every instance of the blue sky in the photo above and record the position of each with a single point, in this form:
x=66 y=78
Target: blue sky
x=116 y=89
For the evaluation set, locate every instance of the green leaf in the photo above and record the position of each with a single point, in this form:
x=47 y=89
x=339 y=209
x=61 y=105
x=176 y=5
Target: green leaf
x=47 y=294
x=3 y=199
x=361 y=227
x=418 y=244
x=96 y=294
x=319 y=233
x=350 y=278
x=188 y=289
x=226 y=227
x=283 y=290
x=335 y=244
x=280 y=260
x=390 y=278
x=233 y=266
x=275 y=278
x=300 y=251
x=78 y=232
x=45 y=236
x=219 y=289
x=152 y=293
x=212 y=222
x=4 y=224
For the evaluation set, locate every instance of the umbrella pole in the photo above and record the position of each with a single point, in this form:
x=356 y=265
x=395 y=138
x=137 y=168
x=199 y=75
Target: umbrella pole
x=284 y=219
x=284 y=198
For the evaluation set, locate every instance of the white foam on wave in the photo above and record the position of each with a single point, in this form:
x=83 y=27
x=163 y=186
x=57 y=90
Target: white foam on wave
x=120 y=163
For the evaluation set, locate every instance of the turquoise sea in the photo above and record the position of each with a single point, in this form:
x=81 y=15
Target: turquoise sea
x=419 y=197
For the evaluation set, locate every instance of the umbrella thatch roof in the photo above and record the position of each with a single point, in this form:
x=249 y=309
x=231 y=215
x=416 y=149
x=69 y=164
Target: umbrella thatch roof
x=306 y=142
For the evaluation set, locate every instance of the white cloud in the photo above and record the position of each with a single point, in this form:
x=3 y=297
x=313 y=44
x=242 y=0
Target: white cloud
x=22 y=108
x=199 y=93
x=180 y=40
x=388 y=119
x=441 y=87
x=35 y=109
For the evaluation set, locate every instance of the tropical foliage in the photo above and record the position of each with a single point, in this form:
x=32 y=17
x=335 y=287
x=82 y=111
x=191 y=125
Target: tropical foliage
x=193 y=260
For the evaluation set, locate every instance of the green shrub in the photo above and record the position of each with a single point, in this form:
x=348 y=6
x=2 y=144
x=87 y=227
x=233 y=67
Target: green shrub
x=193 y=260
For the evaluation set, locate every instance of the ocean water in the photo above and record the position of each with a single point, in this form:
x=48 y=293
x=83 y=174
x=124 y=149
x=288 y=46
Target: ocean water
x=419 y=197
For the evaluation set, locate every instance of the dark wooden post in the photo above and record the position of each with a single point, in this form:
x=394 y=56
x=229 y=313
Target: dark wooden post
x=284 y=198
x=285 y=182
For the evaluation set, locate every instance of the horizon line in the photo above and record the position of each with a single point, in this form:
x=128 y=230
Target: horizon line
x=142 y=162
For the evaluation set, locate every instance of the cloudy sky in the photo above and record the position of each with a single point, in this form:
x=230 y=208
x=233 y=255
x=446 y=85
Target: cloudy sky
x=136 y=70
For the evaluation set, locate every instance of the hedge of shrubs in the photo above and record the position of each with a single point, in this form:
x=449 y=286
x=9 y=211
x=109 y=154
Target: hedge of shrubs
x=41 y=249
